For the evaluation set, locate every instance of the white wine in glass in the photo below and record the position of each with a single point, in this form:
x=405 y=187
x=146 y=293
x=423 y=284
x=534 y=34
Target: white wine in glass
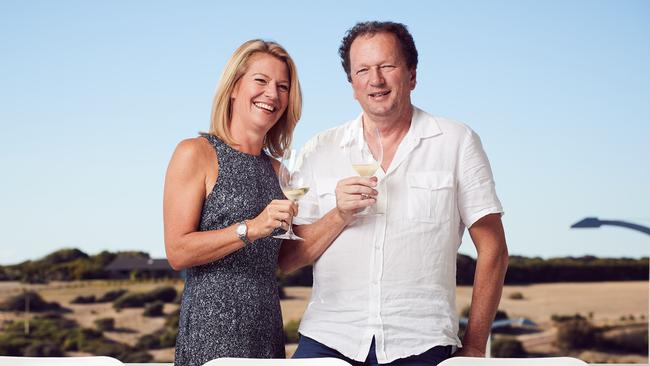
x=295 y=194
x=366 y=154
x=366 y=170
x=292 y=183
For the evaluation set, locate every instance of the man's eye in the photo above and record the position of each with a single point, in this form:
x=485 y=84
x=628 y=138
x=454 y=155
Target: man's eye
x=362 y=71
x=387 y=67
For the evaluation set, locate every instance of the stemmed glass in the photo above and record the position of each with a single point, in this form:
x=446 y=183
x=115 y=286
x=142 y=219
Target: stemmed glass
x=292 y=183
x=366 y=156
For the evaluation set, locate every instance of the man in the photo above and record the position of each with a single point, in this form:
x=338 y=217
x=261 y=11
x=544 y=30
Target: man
x=384 y=286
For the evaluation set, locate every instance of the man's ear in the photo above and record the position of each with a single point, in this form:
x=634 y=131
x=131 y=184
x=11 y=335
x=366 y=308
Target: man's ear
x=413 y=79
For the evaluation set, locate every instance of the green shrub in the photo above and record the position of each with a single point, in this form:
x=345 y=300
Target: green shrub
x=139 y=299
x=576 y=334
x=291 y=331
x=83 y=300
x=44 y=333
x=105 y=324
x=507 y=347
x=164 y=294
x=168 y=338
x=112 y=295
x=162 y=338
x=43 y=349
x=131 y=300
x=13 y=345
x=36 y=303
x=179 y=298
x=564 y=318
x=148 y=341
x=106 y=348
x=136 y=357
x=153 y=309
x=172 y=319
x=500 y=315
x=79 y=339
x=628 y=341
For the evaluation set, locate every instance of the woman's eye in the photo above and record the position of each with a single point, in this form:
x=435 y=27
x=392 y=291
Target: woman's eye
x=260 y=81
x=283 y=87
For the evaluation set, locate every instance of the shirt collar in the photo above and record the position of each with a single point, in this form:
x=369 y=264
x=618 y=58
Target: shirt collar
x=422 y=126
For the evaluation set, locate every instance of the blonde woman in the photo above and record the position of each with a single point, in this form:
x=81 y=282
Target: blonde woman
x=222 y=204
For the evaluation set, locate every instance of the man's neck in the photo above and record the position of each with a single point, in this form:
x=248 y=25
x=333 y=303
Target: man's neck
x=392 y=132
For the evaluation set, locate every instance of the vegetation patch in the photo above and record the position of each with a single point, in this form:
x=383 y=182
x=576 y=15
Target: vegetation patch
x=139 y=299
x=32 y=300
x=53 y=335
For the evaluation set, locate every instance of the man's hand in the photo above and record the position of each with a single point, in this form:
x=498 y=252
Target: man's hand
x=469 y=352
x=354 y=194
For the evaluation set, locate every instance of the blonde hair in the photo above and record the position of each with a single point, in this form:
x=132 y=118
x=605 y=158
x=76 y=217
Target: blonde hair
x=278 y=138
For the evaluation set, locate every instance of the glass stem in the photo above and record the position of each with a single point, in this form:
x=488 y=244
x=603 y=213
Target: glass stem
x=290 y=231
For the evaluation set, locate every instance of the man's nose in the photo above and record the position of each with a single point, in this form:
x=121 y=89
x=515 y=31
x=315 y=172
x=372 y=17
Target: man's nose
x=376 y=77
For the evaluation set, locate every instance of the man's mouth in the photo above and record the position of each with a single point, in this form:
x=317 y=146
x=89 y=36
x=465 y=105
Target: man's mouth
x=379 y=94
x=264 y=106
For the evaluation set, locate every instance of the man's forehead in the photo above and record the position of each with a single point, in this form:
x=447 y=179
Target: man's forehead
x=387 y=46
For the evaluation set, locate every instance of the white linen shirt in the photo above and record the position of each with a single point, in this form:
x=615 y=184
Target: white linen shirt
x=393 y=276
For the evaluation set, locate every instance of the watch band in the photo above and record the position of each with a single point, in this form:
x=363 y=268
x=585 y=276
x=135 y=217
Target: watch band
x=242 y=233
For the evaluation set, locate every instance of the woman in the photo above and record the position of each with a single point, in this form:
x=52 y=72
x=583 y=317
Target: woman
x=222 y=203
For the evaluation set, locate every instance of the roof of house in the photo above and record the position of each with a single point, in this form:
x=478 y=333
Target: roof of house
x=128 y=263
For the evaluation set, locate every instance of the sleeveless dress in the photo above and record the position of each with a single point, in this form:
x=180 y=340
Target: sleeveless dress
x=231 y=306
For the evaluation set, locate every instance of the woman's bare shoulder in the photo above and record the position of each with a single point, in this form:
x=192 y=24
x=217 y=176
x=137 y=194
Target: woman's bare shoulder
x=194 y=147
x=196 y=152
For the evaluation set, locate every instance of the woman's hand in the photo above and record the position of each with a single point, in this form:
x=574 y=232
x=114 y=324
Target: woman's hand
x=279 y=213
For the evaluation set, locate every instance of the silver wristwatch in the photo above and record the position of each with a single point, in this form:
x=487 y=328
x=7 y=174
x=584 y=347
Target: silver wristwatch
x=242 y=232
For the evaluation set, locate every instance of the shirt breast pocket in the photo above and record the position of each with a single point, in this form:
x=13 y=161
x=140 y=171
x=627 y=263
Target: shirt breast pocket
x=430 y=196
x=326 y=190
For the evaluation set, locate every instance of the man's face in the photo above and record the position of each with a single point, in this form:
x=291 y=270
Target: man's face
x=381 y=81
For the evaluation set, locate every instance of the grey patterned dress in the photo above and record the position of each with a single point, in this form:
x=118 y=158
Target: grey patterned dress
x=231 y=306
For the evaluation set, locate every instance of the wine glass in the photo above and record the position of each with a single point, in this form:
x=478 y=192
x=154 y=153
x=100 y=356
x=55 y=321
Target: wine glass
x=366 y=156
x=293 y=184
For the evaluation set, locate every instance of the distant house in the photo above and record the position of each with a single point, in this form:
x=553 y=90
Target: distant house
x=124 y=267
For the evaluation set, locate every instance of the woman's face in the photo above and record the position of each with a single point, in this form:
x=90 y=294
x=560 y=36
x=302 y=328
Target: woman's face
x=261 y=95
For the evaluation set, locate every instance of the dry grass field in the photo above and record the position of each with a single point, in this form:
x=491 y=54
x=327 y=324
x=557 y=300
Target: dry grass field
x=606 y=301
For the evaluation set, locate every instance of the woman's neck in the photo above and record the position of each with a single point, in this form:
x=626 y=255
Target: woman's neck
x=248 y=141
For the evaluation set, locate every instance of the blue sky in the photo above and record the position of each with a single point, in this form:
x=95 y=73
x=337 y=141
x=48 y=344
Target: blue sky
x=95 y=96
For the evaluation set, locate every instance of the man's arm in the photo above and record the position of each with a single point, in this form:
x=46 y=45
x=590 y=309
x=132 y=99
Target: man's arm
x=351 y=197
x=491 y=265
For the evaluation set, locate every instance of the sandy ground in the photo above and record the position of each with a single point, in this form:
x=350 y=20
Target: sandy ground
x=607 y=301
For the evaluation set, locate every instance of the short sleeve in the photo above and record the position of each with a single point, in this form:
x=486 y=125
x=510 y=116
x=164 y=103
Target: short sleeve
x=308 y=209
x=477 y=195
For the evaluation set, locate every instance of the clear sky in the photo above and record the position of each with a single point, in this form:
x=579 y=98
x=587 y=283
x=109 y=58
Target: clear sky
x=94 y=96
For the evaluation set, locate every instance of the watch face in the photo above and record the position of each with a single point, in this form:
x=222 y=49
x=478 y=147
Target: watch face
x=241 y=229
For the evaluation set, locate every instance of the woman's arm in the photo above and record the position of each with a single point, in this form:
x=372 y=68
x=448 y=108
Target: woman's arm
x=185 y=191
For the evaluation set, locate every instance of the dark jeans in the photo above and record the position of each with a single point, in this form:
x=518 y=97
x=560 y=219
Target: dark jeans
x=309 y=348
